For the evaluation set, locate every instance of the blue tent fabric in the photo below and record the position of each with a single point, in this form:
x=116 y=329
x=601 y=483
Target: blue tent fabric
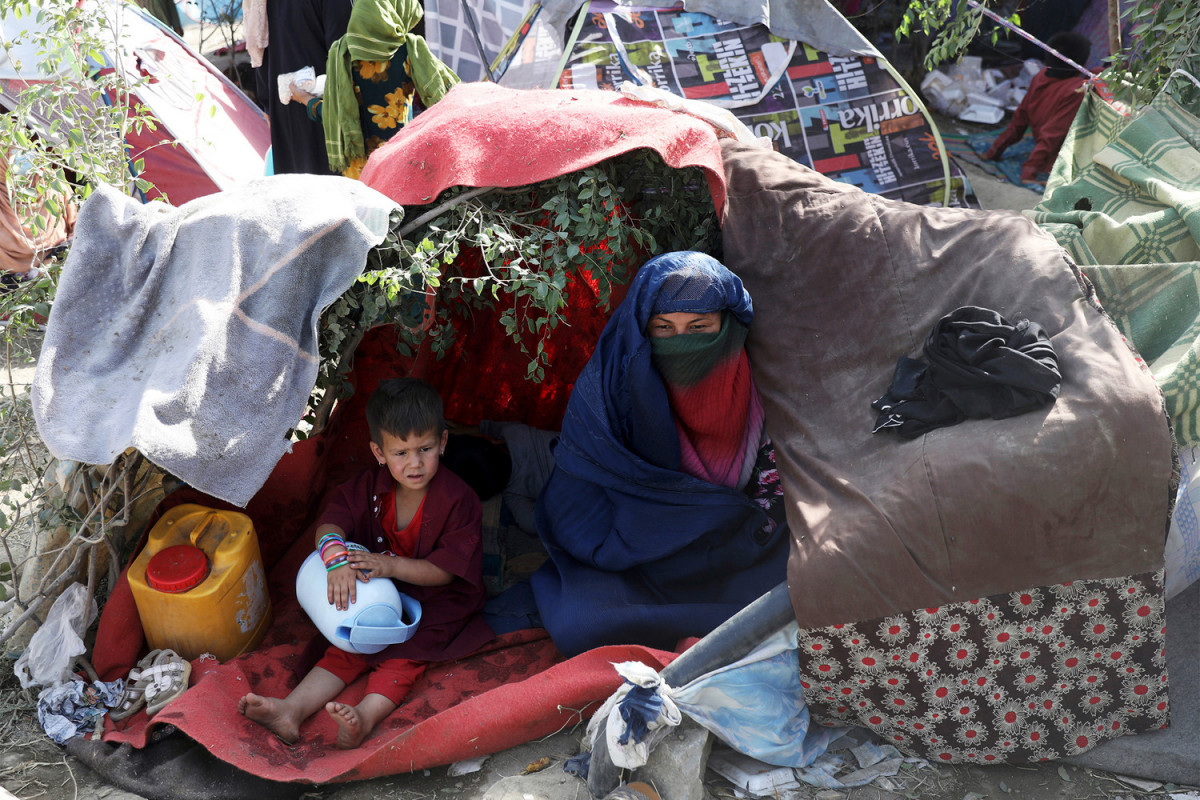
x=641 y=552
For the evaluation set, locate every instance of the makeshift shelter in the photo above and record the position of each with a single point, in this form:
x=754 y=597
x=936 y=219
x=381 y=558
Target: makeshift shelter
x=801 y=76
x=439 y=728
x=220 y=137
x=911 y=552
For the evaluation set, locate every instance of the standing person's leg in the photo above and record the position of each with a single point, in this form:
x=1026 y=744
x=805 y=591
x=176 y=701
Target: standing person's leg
x=284 y=716
x=388 y=684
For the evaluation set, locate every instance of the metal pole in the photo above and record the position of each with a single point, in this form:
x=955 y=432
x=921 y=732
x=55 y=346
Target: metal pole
x=994 y=17
x=478 y=42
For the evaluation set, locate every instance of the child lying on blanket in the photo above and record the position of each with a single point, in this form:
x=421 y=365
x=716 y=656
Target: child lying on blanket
x=425 y=524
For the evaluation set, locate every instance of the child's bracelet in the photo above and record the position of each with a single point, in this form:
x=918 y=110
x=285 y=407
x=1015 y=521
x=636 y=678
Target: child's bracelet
x=330 y=537
x=328 y=545
x=335 y=563
x=343 y=556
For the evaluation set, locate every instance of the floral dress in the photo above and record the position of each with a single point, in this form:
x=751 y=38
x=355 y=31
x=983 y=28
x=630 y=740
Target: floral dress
x=765 y=488
x=387 y=99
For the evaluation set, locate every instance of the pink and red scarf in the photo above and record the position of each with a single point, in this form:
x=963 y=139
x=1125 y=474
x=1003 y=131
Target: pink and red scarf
x=717 y=412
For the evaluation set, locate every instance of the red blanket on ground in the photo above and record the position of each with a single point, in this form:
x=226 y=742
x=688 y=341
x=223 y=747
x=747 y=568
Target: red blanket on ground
x=513 y=690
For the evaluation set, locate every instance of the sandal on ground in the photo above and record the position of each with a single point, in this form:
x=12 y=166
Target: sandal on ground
x=132 y=698
x=164 y=678
x=157 y=679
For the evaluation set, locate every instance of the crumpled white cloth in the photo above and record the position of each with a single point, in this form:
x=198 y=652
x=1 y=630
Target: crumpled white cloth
x=633 y=754
x=72 y=709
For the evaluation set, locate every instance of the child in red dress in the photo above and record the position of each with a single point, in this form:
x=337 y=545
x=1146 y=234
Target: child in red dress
x=1049 y=108
x=424 y=524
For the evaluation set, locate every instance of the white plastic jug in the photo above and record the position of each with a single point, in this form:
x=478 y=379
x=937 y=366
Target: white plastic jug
x=380 y=615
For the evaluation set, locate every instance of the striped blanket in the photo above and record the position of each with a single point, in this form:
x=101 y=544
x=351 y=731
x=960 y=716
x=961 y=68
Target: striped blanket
x=1124 y=201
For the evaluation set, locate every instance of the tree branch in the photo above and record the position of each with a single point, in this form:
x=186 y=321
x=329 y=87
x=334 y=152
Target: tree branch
x=438 y=209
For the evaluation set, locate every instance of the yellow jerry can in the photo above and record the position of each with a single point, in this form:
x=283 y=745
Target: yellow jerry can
x=199 y=584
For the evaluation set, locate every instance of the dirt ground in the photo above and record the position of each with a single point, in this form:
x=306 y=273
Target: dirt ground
x=31 y=766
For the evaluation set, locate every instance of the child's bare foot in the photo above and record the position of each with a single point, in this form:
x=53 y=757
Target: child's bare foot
x=273 y=714
x=351 y=731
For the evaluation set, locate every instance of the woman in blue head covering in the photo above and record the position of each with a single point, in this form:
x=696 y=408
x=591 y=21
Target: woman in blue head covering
x=662 y=514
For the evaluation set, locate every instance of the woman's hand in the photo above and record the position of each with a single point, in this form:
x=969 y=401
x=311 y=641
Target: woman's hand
x=341 y=587
x=299 y=95
x=371 y=565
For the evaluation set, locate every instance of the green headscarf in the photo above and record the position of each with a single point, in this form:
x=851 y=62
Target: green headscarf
x=376 y=30
x=688 y=359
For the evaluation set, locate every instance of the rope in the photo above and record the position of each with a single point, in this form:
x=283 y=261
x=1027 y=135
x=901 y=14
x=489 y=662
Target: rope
x=994 y=17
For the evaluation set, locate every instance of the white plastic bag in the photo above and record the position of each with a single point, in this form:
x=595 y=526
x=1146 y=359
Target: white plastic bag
x=47 y=660
x=1182 y=552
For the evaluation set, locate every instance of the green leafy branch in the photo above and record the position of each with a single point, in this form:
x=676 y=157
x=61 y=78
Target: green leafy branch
x=68 y=126
x=1165 y=37
x=952 y=25
x=519 y=248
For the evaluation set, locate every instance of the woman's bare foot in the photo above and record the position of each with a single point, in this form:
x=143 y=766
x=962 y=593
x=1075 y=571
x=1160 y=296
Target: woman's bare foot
x=351 y=730
x=273 y=714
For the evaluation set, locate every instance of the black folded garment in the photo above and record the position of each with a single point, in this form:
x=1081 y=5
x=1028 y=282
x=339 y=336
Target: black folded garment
x=980 y=366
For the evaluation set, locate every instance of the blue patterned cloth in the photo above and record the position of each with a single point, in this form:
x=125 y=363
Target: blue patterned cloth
x=72 y=709
x=756 y=705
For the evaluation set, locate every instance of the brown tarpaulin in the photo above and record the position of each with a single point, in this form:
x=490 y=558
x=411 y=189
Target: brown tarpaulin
x=846 y=282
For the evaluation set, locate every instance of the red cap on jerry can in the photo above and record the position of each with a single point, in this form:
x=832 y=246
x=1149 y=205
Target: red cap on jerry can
x=177 y=569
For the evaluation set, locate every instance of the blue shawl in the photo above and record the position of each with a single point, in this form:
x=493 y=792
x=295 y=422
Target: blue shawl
x=640 y=552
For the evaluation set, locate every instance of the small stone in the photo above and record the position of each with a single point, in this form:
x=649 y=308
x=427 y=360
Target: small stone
x=676 y=766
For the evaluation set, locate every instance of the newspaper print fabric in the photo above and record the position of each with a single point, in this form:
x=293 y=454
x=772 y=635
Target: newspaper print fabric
x=845 y=117
x=1027 y=676
x=450 y=38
